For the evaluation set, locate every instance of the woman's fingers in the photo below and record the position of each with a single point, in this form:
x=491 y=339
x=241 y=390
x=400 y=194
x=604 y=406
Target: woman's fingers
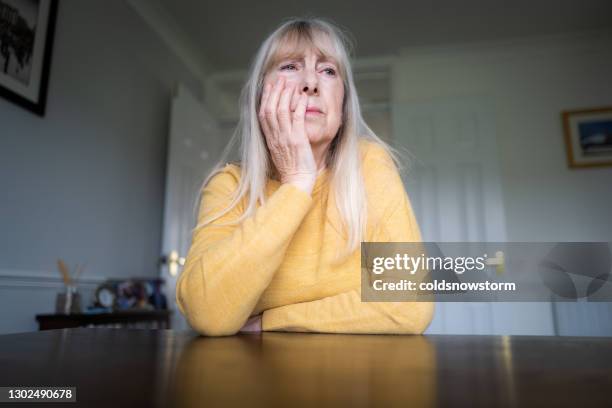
x=284 y=111
x=272 y=106
x=262 y=108
x=295 y=96
x=282 y=116
x=264 y=100
x=299 y=114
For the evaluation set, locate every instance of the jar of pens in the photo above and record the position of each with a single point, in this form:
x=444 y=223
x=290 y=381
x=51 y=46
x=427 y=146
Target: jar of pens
x=69 y=301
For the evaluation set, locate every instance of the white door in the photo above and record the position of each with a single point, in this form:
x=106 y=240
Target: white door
x=193 y=147
x=455 y=188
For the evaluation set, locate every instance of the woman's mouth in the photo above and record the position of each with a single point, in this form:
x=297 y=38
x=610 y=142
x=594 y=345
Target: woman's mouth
x=313 y=111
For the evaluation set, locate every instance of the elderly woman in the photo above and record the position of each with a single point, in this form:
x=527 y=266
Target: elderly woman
x=277 y=244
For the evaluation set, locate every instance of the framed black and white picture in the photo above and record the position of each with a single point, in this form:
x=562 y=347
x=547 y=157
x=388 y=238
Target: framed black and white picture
x=26 y=41
x=588 y=137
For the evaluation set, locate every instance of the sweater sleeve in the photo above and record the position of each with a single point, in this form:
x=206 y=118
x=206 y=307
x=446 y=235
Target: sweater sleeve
x=344 y=312
x=228 y=267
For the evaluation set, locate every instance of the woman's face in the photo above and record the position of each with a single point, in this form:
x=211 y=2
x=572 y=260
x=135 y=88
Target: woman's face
x=318 y=77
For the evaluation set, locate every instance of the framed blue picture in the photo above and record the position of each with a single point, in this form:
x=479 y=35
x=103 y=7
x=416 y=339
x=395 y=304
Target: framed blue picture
x=588 y=137
x=26 y=41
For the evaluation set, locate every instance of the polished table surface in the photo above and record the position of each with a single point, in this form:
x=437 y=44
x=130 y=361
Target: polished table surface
x=133 y=368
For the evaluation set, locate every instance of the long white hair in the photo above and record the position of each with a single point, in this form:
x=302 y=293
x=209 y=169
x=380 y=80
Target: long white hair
x=343 y=159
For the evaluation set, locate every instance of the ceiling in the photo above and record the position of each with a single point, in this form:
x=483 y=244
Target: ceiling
x=228 y=32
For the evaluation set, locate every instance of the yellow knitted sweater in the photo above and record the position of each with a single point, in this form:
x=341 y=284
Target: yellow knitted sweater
x=279 y=261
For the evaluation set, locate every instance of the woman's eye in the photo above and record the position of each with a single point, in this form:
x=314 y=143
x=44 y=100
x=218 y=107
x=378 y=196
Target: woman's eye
x=288 y=67
x=330 y=71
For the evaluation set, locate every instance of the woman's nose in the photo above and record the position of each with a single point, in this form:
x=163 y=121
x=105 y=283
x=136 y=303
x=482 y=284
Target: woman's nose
x=309 y=84
x=310 y=90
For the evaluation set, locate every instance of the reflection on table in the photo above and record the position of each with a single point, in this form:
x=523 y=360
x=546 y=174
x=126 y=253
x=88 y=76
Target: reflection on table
x=166 y=368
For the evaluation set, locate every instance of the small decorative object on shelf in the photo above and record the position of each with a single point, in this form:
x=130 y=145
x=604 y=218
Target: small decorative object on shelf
x=69 y=301
x=106 y=296
x=133 y=294
x=135 y=303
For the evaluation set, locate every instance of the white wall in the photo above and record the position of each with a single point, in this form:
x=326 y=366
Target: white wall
x=530 y=82
x=86 y=182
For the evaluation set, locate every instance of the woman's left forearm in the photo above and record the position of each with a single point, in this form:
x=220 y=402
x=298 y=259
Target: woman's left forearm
x=346 y=313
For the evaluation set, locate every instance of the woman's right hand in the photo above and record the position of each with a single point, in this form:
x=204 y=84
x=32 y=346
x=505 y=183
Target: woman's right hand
x=285 y=133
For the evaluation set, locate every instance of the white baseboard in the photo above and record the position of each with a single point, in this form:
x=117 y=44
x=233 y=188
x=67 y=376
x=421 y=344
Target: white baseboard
x=42 y=279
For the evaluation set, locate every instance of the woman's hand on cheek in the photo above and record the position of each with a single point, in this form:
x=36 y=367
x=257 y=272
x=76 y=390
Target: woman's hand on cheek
x=285 y=133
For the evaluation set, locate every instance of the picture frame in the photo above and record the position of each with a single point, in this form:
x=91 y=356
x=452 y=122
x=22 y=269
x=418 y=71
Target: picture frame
x=27 y=29
x=588 y=137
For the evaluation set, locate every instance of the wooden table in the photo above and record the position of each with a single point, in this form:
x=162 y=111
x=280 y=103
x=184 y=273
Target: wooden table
x=134 y=368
